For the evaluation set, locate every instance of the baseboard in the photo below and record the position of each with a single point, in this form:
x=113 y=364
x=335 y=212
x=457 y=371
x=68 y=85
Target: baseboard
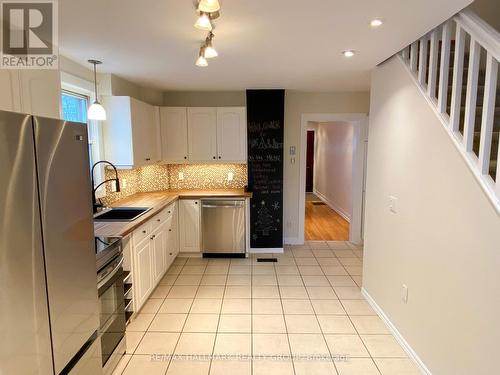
x=293 y=241
x=333 y=206
x=397 y=335
x=277 y=250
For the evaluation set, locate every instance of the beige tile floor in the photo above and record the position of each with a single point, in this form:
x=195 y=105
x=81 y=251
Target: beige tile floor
x=302 y=315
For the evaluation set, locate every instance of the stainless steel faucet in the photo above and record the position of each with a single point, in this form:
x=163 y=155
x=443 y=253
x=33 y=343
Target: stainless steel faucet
x=95 y=205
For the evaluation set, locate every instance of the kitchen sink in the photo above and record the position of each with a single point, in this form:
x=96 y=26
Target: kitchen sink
x=121 y=214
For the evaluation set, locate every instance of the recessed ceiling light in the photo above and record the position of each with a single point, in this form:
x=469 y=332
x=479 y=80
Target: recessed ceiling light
x=376 y=22
x=348 y=53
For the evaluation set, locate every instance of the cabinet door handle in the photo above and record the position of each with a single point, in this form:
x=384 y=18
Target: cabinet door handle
x=158 y=220
x=144 y=231
x=148 y=159
x=214 y=157
x=170 y=253
x=220 y=157
x=169 y=212
x=153 y=237
x=170 y=230
x=185 y=157
x=195 y=202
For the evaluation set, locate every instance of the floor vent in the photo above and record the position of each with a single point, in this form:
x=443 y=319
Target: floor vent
x=319 y=203
x=267 y=260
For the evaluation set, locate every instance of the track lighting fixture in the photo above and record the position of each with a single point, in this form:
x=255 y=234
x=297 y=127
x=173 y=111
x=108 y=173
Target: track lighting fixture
x=204 y=22
x=210 y=51
x=208 y=11
x=201 y=60
x=208 y=6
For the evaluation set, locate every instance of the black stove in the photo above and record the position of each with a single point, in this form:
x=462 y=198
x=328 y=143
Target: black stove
x=106 y=249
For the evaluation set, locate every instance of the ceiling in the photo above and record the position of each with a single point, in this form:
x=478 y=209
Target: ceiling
x=261 y=43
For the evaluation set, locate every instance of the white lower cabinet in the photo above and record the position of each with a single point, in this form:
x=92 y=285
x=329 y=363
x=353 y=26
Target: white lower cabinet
x=159 y=238
x=143 y=282
x=155 y=246
x=189 y=225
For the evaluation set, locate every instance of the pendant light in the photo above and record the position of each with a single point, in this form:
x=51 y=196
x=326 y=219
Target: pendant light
x=201 y=61
x=210 y=51
x=208 y=6
x=96 y=110
x=203 y=22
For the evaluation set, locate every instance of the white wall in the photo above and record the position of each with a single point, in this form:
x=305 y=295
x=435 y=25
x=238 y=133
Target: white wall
x=296 y=104
x=333 y=165
x=444 y=241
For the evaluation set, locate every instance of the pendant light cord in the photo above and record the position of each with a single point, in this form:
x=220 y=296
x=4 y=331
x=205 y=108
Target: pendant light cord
x=95 y=83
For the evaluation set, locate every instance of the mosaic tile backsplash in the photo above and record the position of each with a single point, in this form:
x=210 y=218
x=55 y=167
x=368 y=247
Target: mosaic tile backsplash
x=176 y=177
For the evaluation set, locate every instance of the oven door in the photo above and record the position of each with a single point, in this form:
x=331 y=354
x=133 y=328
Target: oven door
x=111 y=307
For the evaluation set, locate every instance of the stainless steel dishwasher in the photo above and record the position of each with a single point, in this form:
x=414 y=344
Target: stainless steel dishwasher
x=223 y=226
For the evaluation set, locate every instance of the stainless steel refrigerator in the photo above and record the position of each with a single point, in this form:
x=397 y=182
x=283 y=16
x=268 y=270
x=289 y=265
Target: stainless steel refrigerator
x=48 y=293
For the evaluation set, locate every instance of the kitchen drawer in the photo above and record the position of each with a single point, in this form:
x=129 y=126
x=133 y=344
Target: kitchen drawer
x=142 y=232
x=162 y=216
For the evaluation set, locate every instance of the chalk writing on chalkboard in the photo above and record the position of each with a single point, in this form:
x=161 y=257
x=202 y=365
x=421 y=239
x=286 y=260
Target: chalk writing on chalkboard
x=265 y=112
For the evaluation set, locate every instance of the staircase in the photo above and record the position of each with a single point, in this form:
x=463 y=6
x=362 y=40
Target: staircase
x=456 y=68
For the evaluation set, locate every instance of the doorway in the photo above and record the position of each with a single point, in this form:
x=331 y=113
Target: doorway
x=329 y=176
x=310 y=161
x=332 y=213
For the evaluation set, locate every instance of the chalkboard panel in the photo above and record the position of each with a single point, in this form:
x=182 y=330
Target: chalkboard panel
x=265 y=117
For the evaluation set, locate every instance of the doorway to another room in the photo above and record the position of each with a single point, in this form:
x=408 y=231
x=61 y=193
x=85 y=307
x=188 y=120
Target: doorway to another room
x=328 y=184
x=332 y=176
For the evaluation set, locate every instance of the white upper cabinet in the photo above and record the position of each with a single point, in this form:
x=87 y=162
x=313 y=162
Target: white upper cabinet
x=231 y=134
x=36 y=92
x=202 y=134
x=130 y=132
x=174 y=134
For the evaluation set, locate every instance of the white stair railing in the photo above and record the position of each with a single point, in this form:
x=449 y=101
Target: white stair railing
x=468 y=100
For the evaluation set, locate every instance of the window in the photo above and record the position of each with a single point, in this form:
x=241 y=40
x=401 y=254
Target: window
x=74 y=108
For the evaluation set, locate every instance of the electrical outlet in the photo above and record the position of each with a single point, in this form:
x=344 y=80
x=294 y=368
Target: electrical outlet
x=230 y=176
x=404 y=294
x=393 y=204
x=113 y=186
x=181 y=176
x=123 y=183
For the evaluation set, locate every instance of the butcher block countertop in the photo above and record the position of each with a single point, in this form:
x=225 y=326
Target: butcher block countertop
x=158 y=201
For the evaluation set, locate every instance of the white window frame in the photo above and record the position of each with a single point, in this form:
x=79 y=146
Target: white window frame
x=79 y=86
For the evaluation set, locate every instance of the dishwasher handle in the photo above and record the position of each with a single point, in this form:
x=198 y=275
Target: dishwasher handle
x=221 y=206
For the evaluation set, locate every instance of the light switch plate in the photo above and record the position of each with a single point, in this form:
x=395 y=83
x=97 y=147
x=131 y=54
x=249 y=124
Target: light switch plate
x=393 y=204
x=292 y=150
x=181 y=176
x=230 y=176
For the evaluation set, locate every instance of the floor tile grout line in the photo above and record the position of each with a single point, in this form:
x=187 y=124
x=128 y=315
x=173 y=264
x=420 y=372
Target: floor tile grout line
x=183 y=325
x=218 y=323
x=321 y=329
x=149 y=325
x=287 y=333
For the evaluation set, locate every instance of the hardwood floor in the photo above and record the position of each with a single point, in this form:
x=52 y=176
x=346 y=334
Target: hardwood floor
x=323 y=223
